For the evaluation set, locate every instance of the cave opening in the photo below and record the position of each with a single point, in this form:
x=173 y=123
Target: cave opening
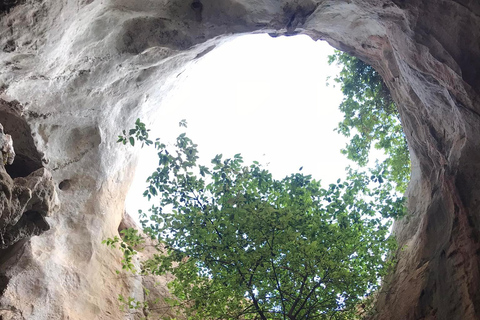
x=256 y=99
x=260 y=96
x=272 y=99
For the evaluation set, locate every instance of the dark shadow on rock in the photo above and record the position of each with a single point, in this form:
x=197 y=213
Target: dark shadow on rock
x=27 y=158
x=7 y=5
x=27 y=191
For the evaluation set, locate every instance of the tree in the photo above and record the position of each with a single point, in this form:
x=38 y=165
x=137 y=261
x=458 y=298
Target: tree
x=371 y=117
x=243 y=245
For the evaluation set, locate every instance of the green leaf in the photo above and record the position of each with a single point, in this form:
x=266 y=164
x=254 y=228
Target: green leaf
x=369 y=110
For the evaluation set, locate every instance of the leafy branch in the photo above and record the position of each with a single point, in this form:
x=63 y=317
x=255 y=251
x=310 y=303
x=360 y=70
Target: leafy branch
x=241 y=244
x=371 y=119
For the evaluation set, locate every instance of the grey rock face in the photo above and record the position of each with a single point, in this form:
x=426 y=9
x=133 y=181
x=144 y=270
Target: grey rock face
x=24 y=204
x=82 y=70
x=6 y=148
x=24 y=201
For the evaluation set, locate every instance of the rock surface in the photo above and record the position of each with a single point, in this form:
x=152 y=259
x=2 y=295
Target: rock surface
x=80 y=70
x=6 y=148
x=24 y=202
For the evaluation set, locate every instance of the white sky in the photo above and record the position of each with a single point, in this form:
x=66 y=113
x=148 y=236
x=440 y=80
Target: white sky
x=263 y=97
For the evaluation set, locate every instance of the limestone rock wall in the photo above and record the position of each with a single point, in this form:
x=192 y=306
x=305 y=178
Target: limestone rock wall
x=82 y=70
x=24 y=201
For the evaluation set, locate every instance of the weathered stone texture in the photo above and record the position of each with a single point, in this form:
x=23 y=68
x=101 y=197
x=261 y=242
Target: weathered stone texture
x=83 y=70
x=24 y=204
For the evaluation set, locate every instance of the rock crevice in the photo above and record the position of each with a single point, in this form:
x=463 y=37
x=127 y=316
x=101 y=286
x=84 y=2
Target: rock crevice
x=24 y=201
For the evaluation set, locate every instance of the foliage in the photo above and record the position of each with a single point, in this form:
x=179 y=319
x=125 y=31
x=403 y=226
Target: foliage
x=371 y=117
x=130 y=240
x=140 y=133
x=243 y=245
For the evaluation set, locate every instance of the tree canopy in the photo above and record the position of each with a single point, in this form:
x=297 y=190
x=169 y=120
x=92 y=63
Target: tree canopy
x=371 y=118
x=243 y=245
